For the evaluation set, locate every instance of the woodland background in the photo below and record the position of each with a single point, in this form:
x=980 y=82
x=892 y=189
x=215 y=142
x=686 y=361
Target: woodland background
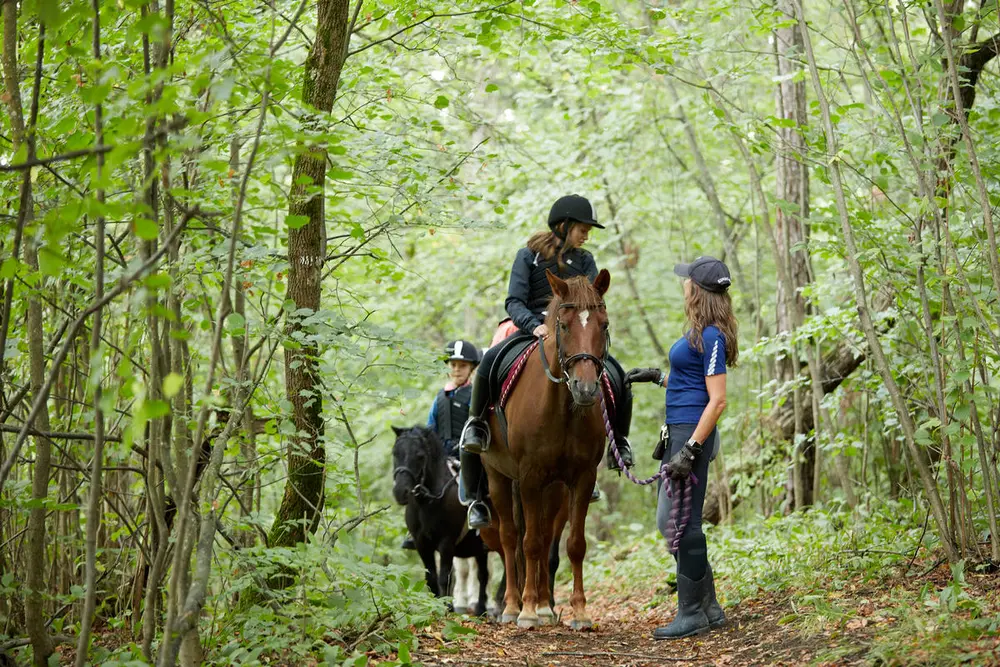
x=236 y=235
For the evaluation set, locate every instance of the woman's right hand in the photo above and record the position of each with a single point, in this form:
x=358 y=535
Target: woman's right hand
x=541 y=331
x=644 y=375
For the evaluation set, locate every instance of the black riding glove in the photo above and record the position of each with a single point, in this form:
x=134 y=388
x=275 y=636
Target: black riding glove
x=682 y=463
x=644 y=375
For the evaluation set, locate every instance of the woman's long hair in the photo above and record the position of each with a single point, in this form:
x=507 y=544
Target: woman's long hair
x=549 y=244
x=703 y=309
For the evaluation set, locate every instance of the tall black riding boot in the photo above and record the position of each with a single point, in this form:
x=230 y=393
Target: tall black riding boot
x=472 y=490
x=710 y=604
x=623 y=421
x=690 y=619
x=692 y=579
x=476 y=434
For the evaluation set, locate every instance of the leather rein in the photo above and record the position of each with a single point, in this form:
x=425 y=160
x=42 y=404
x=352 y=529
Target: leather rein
x=566 y=363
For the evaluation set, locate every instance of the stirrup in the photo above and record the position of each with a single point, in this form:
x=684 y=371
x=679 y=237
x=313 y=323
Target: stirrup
x=473 y=424
x=482 y=508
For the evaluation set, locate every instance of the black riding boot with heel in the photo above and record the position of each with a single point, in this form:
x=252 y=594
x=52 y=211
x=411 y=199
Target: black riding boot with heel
x=693 y=579
x=472 y=490
x=710 y=604
x=623 y=420
x=476 y=434
x=475 y=440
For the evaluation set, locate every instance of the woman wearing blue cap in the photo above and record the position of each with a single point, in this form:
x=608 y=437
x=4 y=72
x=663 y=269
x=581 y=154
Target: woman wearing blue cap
x=558 y=250
x=696 y=397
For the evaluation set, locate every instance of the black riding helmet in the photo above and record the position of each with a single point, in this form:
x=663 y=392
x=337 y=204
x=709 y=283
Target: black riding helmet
x=462 y=350
x=573 y=208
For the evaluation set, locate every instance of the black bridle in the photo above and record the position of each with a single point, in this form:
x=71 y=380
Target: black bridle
x=418 y=491
x=566 y=363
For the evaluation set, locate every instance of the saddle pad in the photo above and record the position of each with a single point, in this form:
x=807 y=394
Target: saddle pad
x=515 y=372
x=509 y=352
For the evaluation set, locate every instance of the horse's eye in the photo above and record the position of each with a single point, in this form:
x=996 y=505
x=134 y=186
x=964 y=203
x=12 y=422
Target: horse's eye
x=564 y=327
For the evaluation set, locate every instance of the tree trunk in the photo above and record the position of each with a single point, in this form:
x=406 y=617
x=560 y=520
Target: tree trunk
x=303 y=497
x=918 y=457
x=791 y=235
x=34 y=605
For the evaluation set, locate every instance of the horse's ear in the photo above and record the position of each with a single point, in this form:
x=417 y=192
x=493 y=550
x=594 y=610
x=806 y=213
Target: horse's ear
x=602 y=282
x=398 y=431
x=558 y=284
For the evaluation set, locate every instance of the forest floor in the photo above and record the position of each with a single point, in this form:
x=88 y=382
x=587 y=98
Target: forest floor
x=768 y=629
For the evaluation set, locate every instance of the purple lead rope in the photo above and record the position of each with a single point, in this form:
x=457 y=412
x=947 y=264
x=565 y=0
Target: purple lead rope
x=681 y=508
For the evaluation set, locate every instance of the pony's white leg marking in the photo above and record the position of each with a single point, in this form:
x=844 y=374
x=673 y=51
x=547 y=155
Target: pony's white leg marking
x=462 y=571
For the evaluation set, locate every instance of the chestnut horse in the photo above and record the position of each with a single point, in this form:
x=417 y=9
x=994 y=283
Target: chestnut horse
x=555 y=436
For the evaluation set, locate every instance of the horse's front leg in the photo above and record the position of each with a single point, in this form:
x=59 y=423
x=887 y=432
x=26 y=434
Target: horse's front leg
x=460 y=597
x=535 y=548
x=483 y=570
x=555 y=509
x=426 y=552
x=447 y=552
x=500 y=492
x=576 y=547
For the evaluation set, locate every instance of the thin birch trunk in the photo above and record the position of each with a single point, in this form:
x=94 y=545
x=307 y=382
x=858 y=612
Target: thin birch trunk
x=878 y=354
x=96 y=372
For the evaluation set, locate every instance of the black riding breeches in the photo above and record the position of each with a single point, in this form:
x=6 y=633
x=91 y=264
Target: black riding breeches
x=678 y=435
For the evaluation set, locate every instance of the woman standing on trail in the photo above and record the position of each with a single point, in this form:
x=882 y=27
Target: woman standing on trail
x=558 y=250
x=696 y=397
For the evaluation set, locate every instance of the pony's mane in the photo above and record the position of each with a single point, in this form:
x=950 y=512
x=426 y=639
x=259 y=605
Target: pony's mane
x=428 y=441
x=579 y=291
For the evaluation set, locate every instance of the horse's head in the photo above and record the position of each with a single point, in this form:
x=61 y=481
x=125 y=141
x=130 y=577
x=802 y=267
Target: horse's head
x=579 y=320
x=415 y=455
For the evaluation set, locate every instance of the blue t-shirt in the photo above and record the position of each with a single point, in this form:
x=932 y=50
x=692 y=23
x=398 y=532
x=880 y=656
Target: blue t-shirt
x=687 y=393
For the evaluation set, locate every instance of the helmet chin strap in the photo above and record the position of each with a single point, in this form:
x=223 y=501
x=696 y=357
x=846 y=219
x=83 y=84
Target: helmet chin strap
x=561 y=231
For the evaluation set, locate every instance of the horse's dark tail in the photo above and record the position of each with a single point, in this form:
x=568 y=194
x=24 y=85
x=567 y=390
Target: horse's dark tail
x=519 y=561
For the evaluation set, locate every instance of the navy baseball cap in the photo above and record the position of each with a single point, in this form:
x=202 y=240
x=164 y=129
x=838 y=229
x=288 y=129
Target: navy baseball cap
x=707 y=272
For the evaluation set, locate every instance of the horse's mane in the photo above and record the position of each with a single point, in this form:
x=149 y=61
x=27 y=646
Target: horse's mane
x=579 y=291
x=429 y=441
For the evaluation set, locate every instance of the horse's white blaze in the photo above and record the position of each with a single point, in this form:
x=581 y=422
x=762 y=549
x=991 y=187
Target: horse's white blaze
x=584 y=316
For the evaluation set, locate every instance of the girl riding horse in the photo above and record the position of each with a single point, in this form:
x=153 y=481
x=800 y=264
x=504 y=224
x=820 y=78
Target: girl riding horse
x=450 y=408
x=560 y=251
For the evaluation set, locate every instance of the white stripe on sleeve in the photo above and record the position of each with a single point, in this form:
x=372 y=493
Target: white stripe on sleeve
x=714 y=358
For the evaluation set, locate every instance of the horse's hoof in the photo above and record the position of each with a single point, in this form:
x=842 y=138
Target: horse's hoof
x=508 y=618
x=529 y=623
x=461 y=610
x=582 y=624
x=479 y=611
x=546 y=616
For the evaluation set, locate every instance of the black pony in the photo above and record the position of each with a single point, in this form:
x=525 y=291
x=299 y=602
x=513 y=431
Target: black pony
x=422 y=482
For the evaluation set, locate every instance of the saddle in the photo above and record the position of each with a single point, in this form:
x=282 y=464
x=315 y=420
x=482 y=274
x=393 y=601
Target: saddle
x=510 y=350
x=511 y=358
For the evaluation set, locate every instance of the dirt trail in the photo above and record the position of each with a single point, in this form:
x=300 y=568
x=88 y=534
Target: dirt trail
x=622 y=636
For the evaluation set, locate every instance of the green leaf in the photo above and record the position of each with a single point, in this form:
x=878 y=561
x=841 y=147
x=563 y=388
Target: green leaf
x=154 y=409
x=338 y=174
x=50 y=262
x=296 y=221
x=441 y=102
x=145 y=229
x=492 y=88
x=172 y=384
